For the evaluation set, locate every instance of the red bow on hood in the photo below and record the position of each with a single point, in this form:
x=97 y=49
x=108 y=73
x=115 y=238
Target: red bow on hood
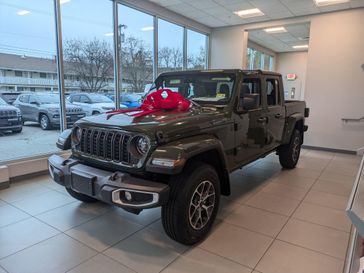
x=162 y=99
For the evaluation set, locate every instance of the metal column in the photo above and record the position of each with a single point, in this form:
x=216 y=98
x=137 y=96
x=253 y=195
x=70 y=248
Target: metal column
x=155 y=47
x=117 y=48
x=184 y=48
x=60 y=68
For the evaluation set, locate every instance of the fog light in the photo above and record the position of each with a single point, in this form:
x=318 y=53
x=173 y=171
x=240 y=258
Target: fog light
x=128 y=196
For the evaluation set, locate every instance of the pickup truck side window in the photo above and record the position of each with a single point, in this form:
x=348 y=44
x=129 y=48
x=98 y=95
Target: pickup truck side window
x=251 y=92
x=272 y=88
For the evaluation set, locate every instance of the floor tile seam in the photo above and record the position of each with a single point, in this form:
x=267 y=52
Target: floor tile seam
x=175 y=259
x=311 y=249
x=36 y=194
x=64 y=231
x=304 y=220
x=290 y=216
x=130 y=235
x=250 y=230
x=223 y=257
x=20 y=250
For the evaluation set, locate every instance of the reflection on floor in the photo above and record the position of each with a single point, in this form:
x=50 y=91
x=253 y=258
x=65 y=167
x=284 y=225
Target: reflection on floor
x=276 y=221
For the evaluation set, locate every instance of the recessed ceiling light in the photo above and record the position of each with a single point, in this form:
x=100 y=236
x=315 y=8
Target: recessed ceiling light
x=247 y=13
x=23 y=12
x=275 y=30
x=329 y=2
x=299 y=46
x=64 y=1
x=147 y=28
x=109 y=34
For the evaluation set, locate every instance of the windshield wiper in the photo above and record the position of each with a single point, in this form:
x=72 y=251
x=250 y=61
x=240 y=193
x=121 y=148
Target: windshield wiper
x=195 y=103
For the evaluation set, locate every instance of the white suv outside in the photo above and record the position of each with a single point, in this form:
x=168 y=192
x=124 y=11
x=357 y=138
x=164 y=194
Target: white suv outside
x=93 y=103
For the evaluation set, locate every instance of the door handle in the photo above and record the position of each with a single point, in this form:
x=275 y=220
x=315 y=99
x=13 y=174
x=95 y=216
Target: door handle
x=262 y=119
x=278 y=115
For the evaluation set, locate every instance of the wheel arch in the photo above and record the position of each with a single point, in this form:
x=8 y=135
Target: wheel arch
x=295 y=121
x=207 y=149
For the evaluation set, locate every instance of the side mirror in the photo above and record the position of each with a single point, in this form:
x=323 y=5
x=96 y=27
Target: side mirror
x=248 y=102
x=34 y=103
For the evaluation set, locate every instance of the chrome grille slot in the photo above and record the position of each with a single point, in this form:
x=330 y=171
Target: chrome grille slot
x=106 y=145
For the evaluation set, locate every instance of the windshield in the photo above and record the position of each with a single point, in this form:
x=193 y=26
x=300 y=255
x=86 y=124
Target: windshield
x=2 y=102
x=48 y=98
x=204 y=88
x=96 y=98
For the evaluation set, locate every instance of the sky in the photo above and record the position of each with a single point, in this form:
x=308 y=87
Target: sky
x=33 y=33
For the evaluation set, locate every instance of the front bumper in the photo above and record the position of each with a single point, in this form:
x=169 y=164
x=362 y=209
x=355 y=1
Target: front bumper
x=116 y=188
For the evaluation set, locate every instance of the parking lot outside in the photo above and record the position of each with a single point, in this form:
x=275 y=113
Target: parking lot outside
x=32 y=141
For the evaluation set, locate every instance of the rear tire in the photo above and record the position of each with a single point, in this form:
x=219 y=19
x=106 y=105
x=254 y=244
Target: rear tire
x=290 y=153
x=81 y=197
x=193 y=204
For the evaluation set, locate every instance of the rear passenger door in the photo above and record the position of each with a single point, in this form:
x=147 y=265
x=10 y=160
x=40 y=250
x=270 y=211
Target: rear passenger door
x=275 y=111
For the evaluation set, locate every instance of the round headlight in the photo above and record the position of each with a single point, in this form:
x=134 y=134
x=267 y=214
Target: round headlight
x=77 y=134
x=140 y=145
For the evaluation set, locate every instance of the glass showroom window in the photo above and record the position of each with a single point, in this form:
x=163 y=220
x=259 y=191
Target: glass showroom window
x=27 y=52
x=170 y=46
x=259 y=60
x=136 y=38
x=88 y=57
x=196 y=50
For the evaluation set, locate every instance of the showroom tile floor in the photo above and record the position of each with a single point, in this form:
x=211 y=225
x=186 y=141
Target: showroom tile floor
x=276 y=221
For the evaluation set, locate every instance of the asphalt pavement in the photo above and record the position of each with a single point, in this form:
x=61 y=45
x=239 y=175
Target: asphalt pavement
x=32 y=141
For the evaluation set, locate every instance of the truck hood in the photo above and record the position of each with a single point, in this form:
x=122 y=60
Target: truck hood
x=171 y=123
x=5 y=108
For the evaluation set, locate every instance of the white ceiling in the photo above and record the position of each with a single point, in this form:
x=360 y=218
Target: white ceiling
x=297 y=34
x=219 y=13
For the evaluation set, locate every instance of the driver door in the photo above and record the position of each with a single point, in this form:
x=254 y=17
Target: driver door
x=251 y=122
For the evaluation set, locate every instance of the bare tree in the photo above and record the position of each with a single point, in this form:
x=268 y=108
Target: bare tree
x=91 y=62
x=137 y=63
x=197 y=61
x=170 y=58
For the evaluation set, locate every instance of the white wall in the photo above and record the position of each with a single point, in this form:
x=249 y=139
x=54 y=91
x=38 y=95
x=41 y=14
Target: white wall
x=334 y=86
x=293 y=62
x=226 y=47
x=335 y=80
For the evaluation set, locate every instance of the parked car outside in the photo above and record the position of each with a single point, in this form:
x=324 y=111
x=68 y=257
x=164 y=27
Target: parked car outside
x=92 y=103
x=10 y=118
x=131 y=100
x=44 y=108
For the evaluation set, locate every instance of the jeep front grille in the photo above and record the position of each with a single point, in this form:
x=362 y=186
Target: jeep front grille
x=8 y=114
x=106 y=145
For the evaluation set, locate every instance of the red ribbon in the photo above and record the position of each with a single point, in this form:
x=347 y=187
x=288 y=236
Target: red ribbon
x=162 y=99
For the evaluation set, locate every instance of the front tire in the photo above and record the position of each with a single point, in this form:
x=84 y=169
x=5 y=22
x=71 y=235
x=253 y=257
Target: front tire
x=193 y=204
x=81 y=197
x=290 y=153
x=44 y=122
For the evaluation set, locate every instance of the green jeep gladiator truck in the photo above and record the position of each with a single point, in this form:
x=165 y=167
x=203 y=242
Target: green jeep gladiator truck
x=181 y=160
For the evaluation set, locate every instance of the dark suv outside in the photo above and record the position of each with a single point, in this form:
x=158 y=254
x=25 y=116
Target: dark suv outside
x=44 y=108
x=10 y=118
